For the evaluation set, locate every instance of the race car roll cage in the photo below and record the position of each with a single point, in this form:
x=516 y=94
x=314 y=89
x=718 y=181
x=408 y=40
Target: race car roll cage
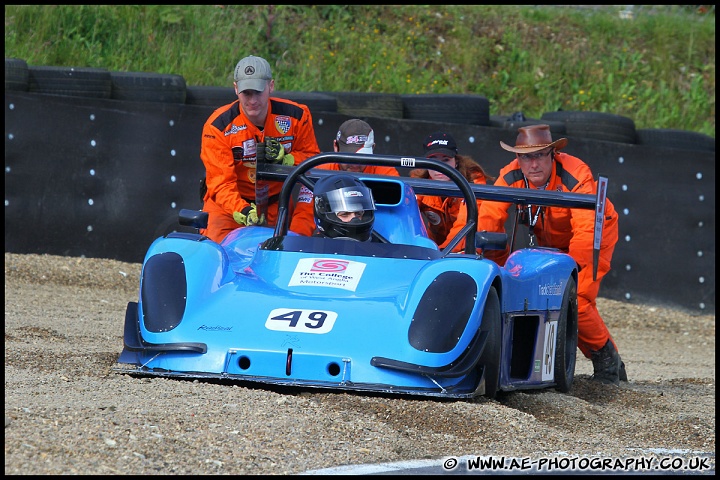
x=306 y=174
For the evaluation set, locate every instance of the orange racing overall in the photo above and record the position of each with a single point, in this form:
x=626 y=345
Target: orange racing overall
x=570 y=230
x=228 y=151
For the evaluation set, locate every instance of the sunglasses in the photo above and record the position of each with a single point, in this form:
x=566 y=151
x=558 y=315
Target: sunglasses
x=533 y=156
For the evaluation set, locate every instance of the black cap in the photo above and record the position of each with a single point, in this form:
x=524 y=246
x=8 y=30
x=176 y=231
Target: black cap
x=440 y=142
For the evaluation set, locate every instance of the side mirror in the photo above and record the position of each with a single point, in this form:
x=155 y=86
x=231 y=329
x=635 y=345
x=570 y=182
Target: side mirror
x=491 y=240
x=193 y=218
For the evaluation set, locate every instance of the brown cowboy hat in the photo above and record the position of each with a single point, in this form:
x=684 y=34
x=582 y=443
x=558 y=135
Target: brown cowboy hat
x=534 y=138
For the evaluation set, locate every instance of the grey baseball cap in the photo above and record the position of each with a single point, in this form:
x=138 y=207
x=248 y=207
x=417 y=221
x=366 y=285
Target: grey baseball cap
x=355 y=136
x=252 y=73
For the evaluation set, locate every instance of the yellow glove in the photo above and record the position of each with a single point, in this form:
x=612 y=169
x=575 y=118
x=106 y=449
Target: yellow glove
x=249 y=216
x=275 y=153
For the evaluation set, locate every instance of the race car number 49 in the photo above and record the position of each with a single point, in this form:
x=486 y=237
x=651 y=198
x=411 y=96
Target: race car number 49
x=307 y=321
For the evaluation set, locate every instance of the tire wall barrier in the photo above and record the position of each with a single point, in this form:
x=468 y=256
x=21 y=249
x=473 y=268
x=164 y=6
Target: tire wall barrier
x=97 y=176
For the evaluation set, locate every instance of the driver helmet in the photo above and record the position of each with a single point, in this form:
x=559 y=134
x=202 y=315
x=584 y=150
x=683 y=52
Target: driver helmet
x=343 y=193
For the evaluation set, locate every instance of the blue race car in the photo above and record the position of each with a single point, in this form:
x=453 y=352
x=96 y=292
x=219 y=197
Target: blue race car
x=395 y=315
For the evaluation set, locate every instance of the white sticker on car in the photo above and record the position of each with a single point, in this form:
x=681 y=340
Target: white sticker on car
x=327 y=272
x=548 y=371
x=300 y=321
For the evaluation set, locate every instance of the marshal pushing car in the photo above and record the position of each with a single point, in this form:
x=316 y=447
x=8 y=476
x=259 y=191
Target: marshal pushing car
x=396 y=315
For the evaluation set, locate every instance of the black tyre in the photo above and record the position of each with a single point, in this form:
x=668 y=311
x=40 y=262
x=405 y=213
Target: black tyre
x=490 y=358
x=317 y=102
x=70 y=81
x=512 y=123
x=558 y=128
x=596 y=125
x=447 y=108
x=498 y=121
x=670 y=138
x=566 y=345
x=148 y=87
x=367 y=104
x=210 y=96
x=17 y=76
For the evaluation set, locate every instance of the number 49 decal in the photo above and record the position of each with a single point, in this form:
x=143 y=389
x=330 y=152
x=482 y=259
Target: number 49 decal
x=306 y=321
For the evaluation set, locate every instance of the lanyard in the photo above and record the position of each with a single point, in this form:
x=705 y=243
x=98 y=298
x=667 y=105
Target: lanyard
x=532 y=219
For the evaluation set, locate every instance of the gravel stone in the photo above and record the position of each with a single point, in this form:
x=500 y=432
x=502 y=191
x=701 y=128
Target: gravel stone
x=67 y=412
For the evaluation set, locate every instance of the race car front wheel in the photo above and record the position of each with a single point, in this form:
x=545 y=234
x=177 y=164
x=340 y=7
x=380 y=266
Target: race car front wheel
x=490 y=357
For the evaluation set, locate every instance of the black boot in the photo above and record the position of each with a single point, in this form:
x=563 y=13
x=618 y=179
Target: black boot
x=607 y=365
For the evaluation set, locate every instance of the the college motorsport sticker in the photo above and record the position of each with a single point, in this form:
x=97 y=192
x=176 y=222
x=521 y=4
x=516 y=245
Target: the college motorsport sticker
x=327 y=272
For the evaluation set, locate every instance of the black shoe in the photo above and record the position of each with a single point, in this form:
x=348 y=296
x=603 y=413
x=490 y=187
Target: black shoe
x=607 y=365
x=623 y=373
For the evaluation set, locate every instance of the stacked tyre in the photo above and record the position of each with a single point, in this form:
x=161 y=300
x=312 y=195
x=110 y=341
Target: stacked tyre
x=17 y=75
x=70 y=81
x=518 y=120
x=148 y=87
x=673 y=138
x=468 y=109
x=595 y=125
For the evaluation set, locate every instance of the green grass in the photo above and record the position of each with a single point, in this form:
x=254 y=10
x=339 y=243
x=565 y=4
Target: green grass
x=657 y=68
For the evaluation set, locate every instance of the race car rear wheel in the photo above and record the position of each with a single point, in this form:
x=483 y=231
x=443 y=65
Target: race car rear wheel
x=566 y=348
x=490 y=357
